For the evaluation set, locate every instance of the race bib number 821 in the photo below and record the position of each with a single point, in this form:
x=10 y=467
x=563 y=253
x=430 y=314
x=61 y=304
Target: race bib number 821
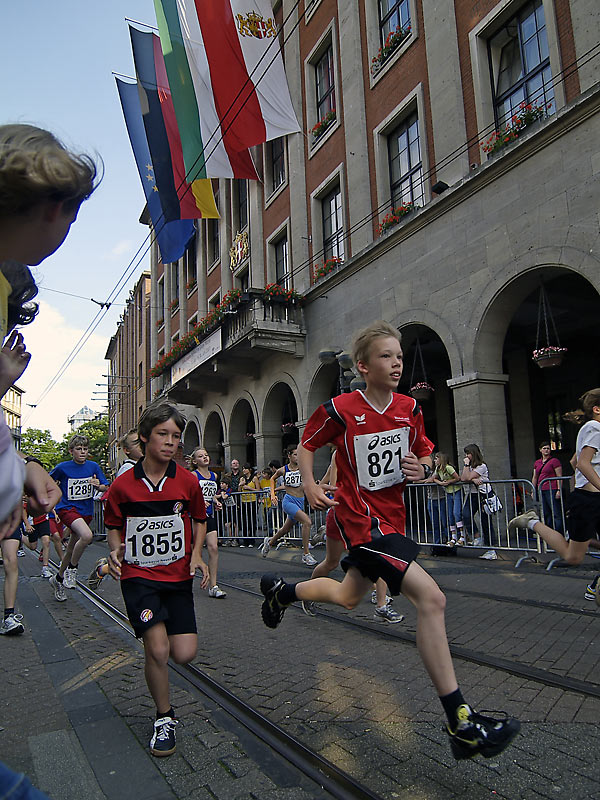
x=154 y=541
x=379 y=458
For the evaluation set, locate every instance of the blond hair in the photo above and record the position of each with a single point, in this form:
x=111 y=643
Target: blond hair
x=363 y=340
x=77 y=440
x=35 y=166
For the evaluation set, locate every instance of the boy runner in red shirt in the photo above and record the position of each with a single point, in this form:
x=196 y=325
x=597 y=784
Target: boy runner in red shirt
x=381 y=443
x=156 y=525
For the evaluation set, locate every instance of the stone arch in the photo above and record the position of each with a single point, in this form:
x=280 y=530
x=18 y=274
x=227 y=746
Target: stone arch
x=281 y=410
x=242 y=430
x=191 y=437
x=214 y=437
x=324 y=386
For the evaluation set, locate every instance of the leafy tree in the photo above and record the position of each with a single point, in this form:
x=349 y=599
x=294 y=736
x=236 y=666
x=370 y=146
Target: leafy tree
x=97 y=432
x=41 y=445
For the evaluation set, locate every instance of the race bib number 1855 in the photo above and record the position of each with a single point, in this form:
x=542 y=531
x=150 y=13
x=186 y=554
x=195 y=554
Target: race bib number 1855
x=379 y=458
x=154 y=541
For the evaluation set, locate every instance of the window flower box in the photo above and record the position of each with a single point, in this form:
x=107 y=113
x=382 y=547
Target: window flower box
x=319 y=129
x=549 y=356
x=393 y=41
x=394 y=217
x=527 y=115
x=322 y=270
x=174 y=305
x=273 y=292
x=160 y=323
x=191 y=285
x=421 y=391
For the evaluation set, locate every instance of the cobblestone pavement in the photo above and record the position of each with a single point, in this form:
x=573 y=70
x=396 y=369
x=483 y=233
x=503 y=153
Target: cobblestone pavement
x=363 y=700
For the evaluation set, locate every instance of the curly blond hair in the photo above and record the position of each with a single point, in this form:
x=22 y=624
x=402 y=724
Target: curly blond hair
x=35 y=166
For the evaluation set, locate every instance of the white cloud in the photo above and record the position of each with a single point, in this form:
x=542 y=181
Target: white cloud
x=50 y=340
x=124 y=247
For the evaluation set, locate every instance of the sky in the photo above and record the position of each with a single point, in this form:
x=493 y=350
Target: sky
x=58 y=59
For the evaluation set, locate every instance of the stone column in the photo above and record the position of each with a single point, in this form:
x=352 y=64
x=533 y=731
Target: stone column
x=522 y=421
x=480 y=412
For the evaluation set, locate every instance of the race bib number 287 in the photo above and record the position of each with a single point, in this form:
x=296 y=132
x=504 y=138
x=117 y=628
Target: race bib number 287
x=379 y=458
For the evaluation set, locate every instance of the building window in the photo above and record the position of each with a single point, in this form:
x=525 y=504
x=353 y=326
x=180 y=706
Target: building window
x=333 y=225
x=175 y=281
x=140 y=376
x=520 y=64
x=404 y=153
x=214 y=300
x=191 y=269
x=160 y=311
x=277 y=152
x=244 y=280
x=242 y=204
x=214 y=246
x=325 y=84
x=281 y=261
x=393 y=14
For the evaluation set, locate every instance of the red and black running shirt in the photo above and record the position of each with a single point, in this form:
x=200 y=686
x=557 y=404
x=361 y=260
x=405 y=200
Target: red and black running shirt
x=370 y=444
x=155 y=521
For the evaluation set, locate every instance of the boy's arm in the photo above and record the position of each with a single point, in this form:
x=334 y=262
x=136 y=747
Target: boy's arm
x=314 y=492
x=116 y=551
x=199 y=535
x=42 y=490
x=584 y=465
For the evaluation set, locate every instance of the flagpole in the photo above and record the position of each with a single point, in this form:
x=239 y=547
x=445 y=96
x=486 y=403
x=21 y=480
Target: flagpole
x=143 y=24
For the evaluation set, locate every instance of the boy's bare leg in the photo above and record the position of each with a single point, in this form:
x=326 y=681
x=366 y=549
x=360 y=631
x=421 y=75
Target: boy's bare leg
x=306 y=523
x=9 y=548
x=285 y=528
x=572 y=552
x=381 y=593
x=429 y=600
x=156 y=670
x=84 y=537
x=347 y=593
x=58 y=546
x=213 y=556
x=333 y=552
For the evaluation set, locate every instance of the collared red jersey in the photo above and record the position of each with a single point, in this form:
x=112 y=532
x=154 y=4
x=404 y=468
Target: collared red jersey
x=209 y=486
x=74 y=482
x=370 y=444
x=155 y=522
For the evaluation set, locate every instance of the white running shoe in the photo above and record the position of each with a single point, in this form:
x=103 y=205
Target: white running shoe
x=20 y=552
x=12 y=625
x=388 y=599
x=214 y=591
x=387 y=614
x=60 y=593
x=266 y=546
x=309 y=608
x=309 y=561
x=489 y=555
x=46 y=572
x=70 y=578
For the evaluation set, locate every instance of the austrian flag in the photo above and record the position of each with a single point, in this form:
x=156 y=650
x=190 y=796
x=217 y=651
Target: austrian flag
x=223 y=56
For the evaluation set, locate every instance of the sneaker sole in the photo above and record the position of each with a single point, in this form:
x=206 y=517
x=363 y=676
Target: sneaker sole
x=162 y=753
x=266 y=584
x=13 y=631
x=381 y=618
x=463 y=751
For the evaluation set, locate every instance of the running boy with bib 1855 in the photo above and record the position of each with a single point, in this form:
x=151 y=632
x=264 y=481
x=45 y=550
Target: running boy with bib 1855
x=78 y=479
x=381 y=444
x=155 y=519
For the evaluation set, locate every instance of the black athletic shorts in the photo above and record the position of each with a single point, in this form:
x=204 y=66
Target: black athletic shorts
x=39 y=530
x=583 y=515
x=149 y=602
x=387 y=557
x=211 y=524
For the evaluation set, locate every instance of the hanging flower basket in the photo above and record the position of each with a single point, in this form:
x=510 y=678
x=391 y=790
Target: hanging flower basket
x=549 y=356
x=421 y=391
x=288 y=426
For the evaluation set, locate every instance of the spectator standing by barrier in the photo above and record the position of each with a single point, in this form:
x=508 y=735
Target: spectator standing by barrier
x=476 y=473
x=248 y=506
x=436 y=505
x=444 y=474
x=546 y=467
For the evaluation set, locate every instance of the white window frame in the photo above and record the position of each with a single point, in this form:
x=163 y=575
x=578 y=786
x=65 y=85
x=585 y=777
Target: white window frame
x=337 y=176
x=374 y=42
x=482 y=81
x=272 y=241
x=268 y=172
x=310 y=7
x=414 y=101
x=328 y=38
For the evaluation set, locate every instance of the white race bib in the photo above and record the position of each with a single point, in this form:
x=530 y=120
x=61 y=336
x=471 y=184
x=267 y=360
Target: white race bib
x=292 y=478
x=209 y=489
x=154 y=541
x=79 y=489
x=379 y=458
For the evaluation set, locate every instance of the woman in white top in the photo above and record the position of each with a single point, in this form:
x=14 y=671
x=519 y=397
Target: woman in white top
x=583 y=505
x=476 y=473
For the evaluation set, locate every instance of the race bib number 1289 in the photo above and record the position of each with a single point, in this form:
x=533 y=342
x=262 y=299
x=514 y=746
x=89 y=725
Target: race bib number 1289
x=379 y=458
x=79 y=489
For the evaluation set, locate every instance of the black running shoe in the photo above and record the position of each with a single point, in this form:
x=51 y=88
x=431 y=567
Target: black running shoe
x=476 y=734
x=162 y=742
x=272 y=610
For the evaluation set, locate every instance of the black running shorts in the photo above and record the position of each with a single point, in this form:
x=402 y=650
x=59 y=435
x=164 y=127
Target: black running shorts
x=211 y=524
x=149 y=602
x=583 y=515
x=387 y=557
x=40 y=529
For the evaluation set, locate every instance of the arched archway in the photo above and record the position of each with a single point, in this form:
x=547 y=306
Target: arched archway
x=242 y=429
x=324 y=386
x=279 y=418
x=191 y=437
x=438 y=411
x=213 y=440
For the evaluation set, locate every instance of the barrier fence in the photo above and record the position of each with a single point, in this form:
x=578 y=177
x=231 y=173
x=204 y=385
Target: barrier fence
x=473 y=516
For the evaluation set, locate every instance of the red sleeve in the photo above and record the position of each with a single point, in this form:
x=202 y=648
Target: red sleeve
x=113 y=518
x=422 y=446
x=322 y=428
x=197 y=508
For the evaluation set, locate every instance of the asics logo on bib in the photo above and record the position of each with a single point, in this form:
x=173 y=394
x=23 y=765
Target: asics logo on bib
x=393 y=438
x=154 y=525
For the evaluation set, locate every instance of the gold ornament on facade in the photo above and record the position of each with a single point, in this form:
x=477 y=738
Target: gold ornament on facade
x=239 y=250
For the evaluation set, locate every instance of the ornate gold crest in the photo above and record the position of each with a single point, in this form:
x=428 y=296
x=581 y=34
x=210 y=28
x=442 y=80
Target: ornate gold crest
x=239 y=250
x=256 y=25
